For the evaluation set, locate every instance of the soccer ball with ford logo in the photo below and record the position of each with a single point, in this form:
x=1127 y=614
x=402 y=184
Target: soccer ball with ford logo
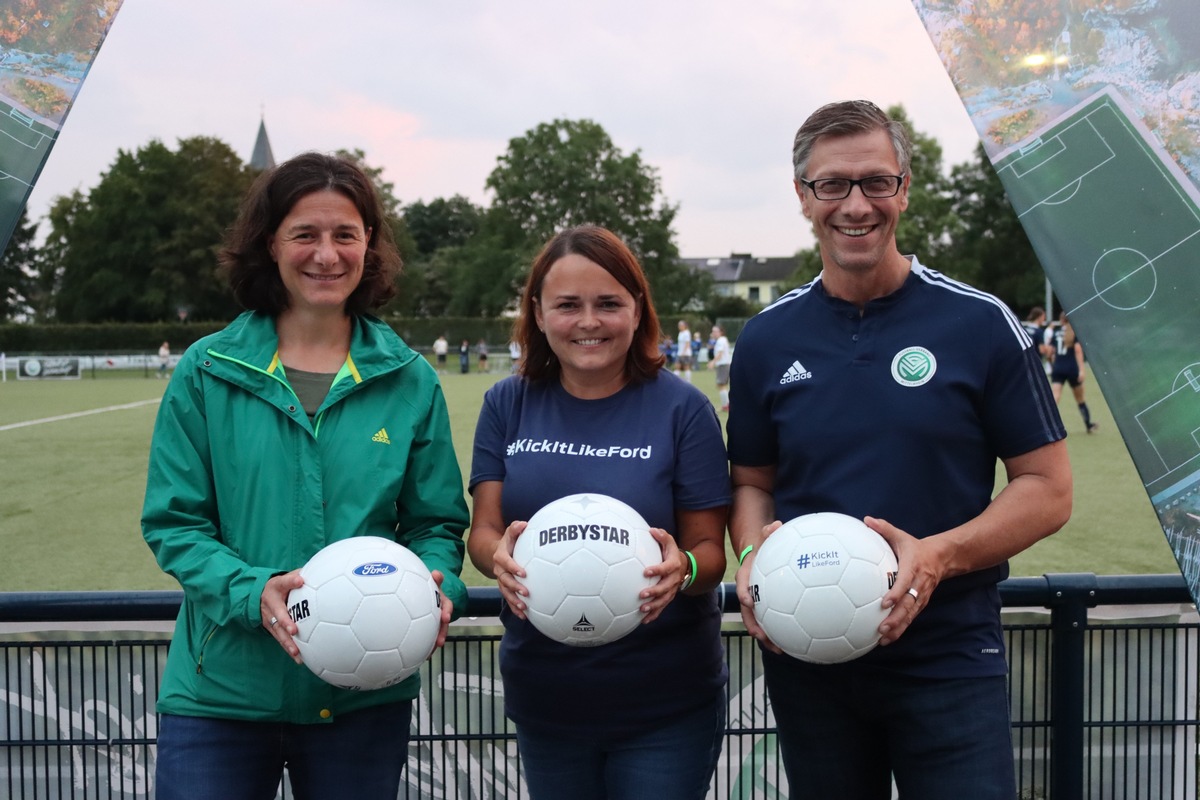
x=817 y=583
x=583 y=557
x=368 y=613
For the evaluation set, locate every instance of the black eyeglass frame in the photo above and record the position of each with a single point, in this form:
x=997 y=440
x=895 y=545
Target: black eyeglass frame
x=850 y=184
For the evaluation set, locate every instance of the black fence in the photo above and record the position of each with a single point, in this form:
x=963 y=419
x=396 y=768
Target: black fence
x=1103 y=679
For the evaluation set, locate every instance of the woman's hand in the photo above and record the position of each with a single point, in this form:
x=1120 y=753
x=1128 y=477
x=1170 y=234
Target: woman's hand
x=671 y=573
x=446 y=607
x=507 y=572
x=273 y=608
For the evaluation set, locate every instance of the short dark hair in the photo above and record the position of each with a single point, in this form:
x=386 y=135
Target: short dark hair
x=604 y=248
x=844 y=119
x=246 y=258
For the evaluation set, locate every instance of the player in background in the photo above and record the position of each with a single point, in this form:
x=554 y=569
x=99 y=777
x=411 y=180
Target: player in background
x=164 y=358
x=643 y=716
x=683 y=352
x=514 y=355
x=440 y=348
x=1035 y=325
x=1068 y=367
x=305 y=421
x=886 y=391
x=722 y=356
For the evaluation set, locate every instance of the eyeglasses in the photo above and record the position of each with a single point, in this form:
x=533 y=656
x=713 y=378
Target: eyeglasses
x=874 y=186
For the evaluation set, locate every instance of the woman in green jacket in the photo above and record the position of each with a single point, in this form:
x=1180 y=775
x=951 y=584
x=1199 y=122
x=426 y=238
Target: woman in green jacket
x=305 y=421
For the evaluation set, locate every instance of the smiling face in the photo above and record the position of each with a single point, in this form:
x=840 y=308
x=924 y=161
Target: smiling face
x=856 y=234
x=589 y=320
x=320 y=247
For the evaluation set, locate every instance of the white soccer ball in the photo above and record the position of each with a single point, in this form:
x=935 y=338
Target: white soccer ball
x=583 y=557
x=368 y=613
x=817 y=583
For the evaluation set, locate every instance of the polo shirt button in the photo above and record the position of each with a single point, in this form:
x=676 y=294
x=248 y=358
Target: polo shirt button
x=292 y=409
x=326 y=713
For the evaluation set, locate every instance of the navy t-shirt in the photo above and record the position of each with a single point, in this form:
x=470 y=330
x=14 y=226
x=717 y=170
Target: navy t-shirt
x=899 y=412
x=657 y=446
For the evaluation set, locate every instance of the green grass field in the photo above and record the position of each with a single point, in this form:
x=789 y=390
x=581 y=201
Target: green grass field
x=72 y=488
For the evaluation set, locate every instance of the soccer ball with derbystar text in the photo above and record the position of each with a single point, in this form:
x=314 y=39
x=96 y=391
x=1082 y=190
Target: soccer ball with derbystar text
x=817 y=583
x=584 y=556
x=368 y=613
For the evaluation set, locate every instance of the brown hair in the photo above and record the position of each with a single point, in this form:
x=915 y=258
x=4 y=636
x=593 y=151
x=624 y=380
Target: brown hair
x=246 y=258
x=605 y=249
x=845 y=119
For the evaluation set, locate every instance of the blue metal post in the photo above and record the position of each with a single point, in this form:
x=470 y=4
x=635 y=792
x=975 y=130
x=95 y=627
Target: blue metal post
x=1071 y=595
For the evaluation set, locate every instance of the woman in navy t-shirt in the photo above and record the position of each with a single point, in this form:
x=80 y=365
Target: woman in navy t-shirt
x=592 y=410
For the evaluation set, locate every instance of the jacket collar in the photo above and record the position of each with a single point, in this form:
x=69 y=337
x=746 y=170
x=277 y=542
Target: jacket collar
x=246 y=351
x=251 y=339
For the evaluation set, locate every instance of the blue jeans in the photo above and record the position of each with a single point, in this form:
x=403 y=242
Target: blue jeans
x=674 y=762
x=360 y=755
x=845 y=732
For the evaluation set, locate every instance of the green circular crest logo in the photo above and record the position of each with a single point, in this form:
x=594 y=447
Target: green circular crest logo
x=913 y=366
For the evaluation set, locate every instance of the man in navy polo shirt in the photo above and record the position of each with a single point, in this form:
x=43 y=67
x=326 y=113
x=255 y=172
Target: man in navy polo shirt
x=884 y=390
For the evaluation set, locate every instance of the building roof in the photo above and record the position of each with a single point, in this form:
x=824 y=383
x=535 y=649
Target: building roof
x=740 y=267
x=262 y=158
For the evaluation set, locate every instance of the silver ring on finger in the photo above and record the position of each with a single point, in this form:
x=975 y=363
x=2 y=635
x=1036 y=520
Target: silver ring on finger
x=273 y=621
x=913 y=593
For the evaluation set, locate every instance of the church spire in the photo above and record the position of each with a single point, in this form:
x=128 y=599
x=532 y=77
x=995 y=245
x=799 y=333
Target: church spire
x=262 y=158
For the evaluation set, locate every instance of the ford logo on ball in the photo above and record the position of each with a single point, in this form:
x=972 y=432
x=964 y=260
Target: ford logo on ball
x=374 y=568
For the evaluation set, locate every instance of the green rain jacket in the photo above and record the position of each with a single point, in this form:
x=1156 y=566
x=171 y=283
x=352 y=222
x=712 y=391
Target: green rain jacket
x=241 y=487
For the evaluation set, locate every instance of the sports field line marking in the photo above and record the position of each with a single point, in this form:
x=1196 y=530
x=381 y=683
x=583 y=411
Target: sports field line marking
x=87 y=413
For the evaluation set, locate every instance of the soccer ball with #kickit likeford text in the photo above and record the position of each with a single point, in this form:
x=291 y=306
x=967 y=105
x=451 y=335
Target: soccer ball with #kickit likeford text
x=817 y=584
x=584 y=556
x=369 y=613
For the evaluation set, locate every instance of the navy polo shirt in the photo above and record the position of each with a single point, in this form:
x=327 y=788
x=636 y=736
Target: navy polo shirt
x=898 y=412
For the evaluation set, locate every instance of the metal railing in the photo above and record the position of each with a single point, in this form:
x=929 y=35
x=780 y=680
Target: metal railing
x=1103 y=677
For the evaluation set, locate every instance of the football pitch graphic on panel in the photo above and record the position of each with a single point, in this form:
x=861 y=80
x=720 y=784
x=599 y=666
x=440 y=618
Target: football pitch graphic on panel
x=24 y=145
x=46 y=50
x=1087 y=109
x=1117 y=226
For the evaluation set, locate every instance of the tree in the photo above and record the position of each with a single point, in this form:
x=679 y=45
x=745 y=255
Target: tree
x=442 y=223
x=141 y=246
x=560 y=174
x=439 y=230
x=18 y=270
x=991 y=244
x=926 y=226
x=50 y=271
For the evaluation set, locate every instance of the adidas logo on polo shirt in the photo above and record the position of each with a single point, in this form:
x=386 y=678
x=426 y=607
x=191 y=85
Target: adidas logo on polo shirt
x=796 y=372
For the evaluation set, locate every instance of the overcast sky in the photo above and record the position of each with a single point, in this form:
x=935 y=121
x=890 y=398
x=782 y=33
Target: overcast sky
x=711 y=92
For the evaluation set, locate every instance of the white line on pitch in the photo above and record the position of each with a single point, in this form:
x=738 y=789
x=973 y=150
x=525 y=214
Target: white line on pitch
x=27 y=423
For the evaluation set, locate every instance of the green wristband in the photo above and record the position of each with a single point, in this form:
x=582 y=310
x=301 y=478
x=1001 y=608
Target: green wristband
x=745 y=553
x=690 y=579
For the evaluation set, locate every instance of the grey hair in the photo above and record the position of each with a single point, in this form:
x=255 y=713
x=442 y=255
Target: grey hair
x=844 y=119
